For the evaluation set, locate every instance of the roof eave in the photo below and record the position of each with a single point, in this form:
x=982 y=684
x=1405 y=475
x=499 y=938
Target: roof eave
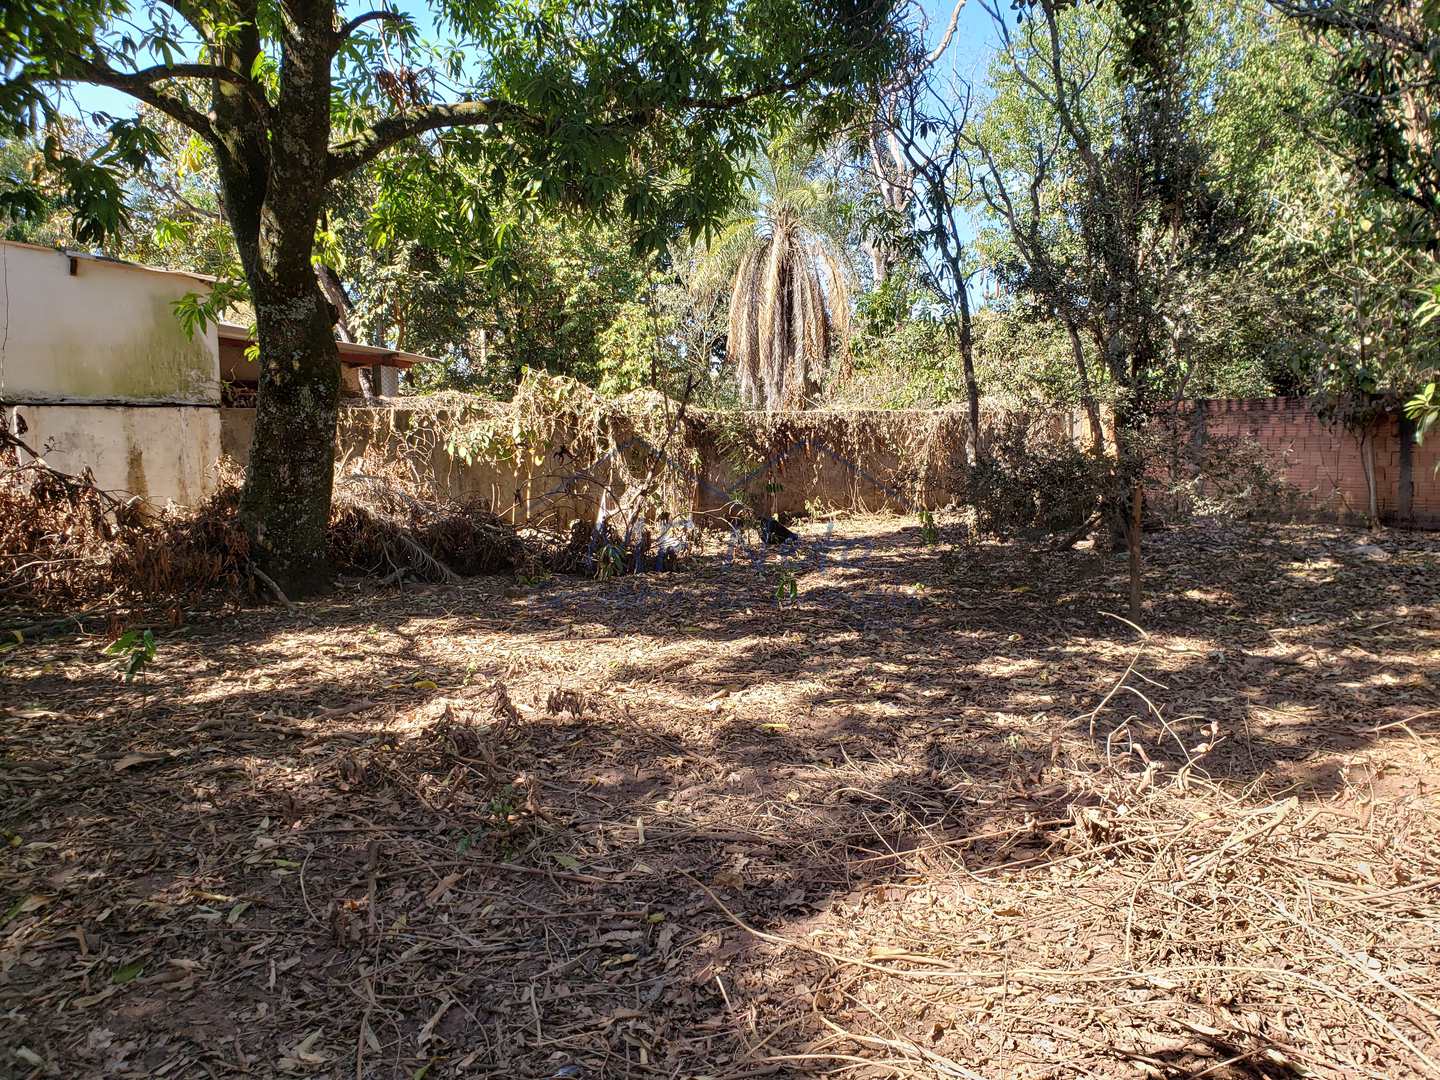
x=354 y=353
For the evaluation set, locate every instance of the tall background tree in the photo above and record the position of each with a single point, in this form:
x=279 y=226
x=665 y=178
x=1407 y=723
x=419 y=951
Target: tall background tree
x=924 y=116
x=781 y=259
x=640 y=104
x=1381 y=99
x=1095 y=167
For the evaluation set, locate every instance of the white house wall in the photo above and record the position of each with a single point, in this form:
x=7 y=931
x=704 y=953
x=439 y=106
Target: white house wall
x=163 y=454
x=106 y=332
x=98 y=373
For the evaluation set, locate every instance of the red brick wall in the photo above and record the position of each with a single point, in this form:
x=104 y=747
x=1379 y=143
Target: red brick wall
x=1326 y=464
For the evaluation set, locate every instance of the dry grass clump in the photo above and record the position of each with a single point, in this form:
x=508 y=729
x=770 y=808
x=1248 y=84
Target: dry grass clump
x=455 y=768
x=378 y=527
x=67 y=543
x=64 y=541
x=1174 y=925
x=1155 y=916
x=56 y=536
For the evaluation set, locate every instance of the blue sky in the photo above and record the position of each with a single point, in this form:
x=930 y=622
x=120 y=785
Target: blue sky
x=975 y=36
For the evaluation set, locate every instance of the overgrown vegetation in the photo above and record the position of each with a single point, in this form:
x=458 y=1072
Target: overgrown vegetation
x=68 y=547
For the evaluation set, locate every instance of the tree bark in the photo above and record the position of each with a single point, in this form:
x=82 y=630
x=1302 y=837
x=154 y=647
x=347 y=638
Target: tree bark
x=334 y=290
x=1087 y=395
x=1367 y=462
x=271 y=169
x=972 y=385
x=1132 y=543
x=285 y=504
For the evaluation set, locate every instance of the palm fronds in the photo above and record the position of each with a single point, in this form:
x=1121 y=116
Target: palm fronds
x=789 y=297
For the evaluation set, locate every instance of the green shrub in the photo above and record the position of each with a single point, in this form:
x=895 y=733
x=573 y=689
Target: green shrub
x=1031 y=484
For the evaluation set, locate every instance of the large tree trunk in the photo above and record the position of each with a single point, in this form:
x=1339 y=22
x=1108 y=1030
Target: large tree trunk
x=272 y=171
x=285 y=504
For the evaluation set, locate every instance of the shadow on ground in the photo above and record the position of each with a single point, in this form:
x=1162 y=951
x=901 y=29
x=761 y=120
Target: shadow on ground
x=672 y=826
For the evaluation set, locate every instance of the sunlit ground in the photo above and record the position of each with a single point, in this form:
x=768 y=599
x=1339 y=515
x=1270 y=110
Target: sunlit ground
x=941 y=816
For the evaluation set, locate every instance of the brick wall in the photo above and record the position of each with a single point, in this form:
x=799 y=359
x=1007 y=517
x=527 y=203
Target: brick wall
x=1325 y=465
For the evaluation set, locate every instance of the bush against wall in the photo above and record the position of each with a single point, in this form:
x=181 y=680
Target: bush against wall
x=1215 y=476
x=1042 y=481
x=1032 y=482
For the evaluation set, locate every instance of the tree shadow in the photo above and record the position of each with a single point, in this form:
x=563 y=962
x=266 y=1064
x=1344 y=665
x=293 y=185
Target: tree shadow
x=496 y=831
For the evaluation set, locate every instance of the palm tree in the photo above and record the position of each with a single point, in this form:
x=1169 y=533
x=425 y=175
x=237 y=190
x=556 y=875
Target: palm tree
x=783 y=253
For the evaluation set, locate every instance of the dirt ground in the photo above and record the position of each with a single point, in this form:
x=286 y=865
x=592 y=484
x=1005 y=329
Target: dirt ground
x=941 y=816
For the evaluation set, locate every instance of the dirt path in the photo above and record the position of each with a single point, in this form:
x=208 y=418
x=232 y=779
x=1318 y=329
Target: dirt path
x=920 y=823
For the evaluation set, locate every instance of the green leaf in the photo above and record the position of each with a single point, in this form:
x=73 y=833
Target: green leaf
x=128 y=973
x=24 y=904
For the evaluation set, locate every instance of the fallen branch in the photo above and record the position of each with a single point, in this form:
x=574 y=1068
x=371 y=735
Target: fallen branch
x=270 y=583
x=1074 y=538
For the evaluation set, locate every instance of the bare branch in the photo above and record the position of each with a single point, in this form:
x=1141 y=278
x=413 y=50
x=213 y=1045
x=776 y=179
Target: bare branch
x=945 y=39
x=358 y=21
x=804 y=74
x=189 y=205
x=141 y=86
x=162 y=72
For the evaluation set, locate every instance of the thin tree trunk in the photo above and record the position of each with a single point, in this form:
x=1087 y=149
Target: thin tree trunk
x=334 y=291
x=879 y=261
x=1405 y=484
x=1087 y=394
x=893 y=183
x=1132 y=541
x=1127 y=518
x=972 y=387
x=1367 y=457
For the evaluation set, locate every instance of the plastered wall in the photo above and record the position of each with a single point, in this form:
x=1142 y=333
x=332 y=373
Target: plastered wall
x=81 y=329
x=96 y=372
x=897 y=460
x=164 y=455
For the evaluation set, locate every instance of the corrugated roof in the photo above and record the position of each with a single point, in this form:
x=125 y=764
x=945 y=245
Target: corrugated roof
x=351 y=352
